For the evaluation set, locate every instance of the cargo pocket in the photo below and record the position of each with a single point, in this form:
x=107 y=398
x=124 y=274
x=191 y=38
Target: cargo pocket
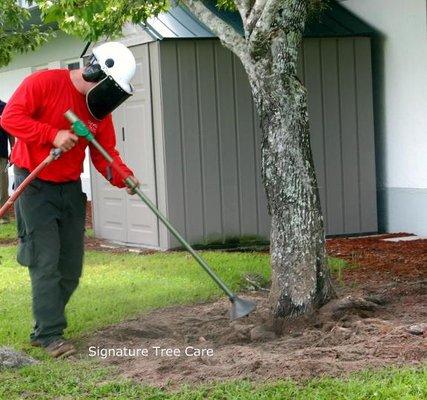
x=25 y=252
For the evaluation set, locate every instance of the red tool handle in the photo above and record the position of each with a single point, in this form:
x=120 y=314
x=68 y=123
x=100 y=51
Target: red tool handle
x=33 y=175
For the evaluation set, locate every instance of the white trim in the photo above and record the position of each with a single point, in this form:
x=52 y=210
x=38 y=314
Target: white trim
x=67 y=62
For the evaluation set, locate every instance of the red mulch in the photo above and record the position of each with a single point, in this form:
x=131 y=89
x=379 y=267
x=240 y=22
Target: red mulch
x=378 y=260
x=89 y=214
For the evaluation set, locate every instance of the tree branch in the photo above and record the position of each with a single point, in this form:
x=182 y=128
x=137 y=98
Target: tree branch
x=228 y=36
x=254 y=15
x=265 y=15
x=274 y=12
x=243 y=6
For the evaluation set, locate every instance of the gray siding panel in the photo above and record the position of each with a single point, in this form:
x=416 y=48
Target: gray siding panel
x=190 y=137
x=245 y=152
x=172 y=135
x=350 y=166
x=366 y=150
x=207 y=105
x=313 y=83
x=332 y=128
x=209 y=140
x=227 y=140
x=342 y=131
x=158 y=129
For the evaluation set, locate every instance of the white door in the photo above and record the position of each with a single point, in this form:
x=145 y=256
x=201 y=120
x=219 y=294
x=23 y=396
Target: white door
x=118 y=216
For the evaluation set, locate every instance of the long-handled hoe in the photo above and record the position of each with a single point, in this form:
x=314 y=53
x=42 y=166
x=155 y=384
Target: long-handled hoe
x=240 y=307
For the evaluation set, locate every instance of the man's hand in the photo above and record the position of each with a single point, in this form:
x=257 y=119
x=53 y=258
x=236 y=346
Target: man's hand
x=136 y=182
x=65 y=140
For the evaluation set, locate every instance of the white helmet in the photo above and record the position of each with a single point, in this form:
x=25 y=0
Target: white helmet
x=113 y=66
x=117 y=60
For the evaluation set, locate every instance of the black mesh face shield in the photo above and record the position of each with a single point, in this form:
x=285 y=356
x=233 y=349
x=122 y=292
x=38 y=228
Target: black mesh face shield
x=92 y=71
x=105 y=97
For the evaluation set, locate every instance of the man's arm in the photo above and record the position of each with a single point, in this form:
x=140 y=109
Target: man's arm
x=107 y=139
x=17 y=118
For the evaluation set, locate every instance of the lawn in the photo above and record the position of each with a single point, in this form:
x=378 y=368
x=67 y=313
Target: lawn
x=80 y=380
x=7 y=231
x=118 y=286
x=115 y=287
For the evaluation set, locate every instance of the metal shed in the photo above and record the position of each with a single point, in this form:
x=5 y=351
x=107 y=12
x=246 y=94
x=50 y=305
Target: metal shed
x=191 y=134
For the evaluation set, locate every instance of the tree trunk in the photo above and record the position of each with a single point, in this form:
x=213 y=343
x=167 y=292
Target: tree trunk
x=300 y=276
x=269 y=50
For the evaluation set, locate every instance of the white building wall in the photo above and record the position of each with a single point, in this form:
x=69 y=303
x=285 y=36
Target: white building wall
x=55 y=54
x=402 y=126
x=10 y=80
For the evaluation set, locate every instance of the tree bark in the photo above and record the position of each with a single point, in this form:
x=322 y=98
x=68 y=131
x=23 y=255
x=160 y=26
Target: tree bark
x=300 y=276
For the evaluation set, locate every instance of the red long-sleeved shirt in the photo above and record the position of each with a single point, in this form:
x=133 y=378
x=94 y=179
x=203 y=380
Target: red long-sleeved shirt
x=35 y=113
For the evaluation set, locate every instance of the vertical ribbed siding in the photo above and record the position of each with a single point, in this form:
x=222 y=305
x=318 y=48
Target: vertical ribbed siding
x=212 y=138
x=338 y=77
x=214 y=189
x=174 y=172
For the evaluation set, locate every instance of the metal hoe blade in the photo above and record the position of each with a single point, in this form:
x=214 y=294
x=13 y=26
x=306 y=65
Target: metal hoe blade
x=240 y=307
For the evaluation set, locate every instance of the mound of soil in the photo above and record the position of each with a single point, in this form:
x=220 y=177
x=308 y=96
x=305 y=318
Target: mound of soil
x=371 y=325
x=10 y=358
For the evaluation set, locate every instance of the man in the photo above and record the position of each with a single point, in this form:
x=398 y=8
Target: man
x=51 y=211
x=4 y=156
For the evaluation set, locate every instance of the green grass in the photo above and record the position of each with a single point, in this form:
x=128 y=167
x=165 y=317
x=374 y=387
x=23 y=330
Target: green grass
x=117 y=286
x=8 y=231
x=90 y=233
x=336 y=266
x=80 y=380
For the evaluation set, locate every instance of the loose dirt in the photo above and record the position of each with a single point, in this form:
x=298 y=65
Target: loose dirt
x=381 y=297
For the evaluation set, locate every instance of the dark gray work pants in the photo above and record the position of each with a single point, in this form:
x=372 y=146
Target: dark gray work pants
x=51 y=221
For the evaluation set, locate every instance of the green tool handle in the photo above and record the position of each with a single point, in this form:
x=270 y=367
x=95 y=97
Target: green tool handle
x=81 y=129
